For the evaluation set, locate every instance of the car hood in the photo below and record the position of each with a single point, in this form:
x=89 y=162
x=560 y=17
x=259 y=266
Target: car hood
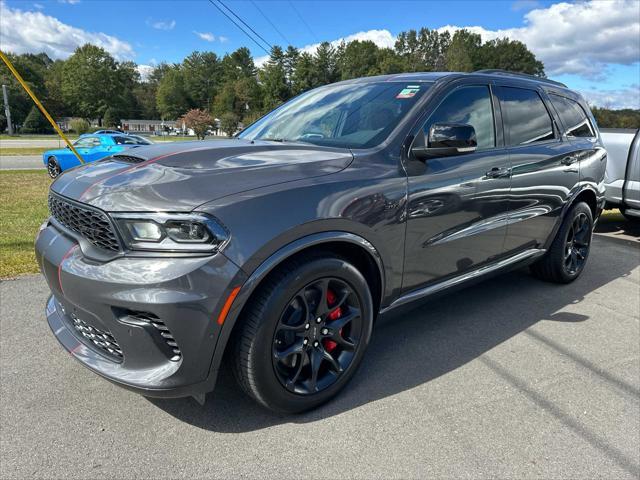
x=183 y=175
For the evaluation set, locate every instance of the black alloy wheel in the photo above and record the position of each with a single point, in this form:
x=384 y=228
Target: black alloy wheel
x=577 y=244
x=303 y=333
x=568 y=253
x=53 y=169
x=316 y=337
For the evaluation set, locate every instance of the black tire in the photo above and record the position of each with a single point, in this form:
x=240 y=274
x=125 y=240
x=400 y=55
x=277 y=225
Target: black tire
x=263 y=338
x=53 y=168
x=568 y=254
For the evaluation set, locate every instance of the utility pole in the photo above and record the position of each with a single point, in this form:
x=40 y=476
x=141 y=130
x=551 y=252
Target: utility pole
x=7 y=112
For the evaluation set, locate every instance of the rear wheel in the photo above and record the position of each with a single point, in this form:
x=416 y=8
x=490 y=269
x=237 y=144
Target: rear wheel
x=304 y=334
x=568 y=254
x=53 y=168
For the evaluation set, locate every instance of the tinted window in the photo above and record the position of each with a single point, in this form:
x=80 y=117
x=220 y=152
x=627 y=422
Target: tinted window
x=528 y=120
x=573 y=117
x=351 y=115
x=131 y=140
x=468 y=105
x=84 y=142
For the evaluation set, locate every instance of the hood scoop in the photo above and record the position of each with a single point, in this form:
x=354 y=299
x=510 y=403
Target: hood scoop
x=128 y=159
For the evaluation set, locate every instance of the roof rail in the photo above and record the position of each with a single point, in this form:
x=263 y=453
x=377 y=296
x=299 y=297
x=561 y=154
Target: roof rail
x=518 y=74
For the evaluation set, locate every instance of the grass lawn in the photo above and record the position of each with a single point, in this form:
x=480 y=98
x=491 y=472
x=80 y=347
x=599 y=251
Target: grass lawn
x=4 y=152
x=50 y=136
x=23 y=207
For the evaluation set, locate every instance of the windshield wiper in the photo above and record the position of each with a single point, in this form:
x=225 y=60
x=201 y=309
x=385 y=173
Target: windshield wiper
x=269 y=139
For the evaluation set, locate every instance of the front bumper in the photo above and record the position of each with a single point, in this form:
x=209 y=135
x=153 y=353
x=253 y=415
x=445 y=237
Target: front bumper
x=148 y=324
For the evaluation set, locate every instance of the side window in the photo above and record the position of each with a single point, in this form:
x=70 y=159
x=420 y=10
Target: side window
x=84 y=142
x=573 y=117
x=527 y=118
x=470 y=105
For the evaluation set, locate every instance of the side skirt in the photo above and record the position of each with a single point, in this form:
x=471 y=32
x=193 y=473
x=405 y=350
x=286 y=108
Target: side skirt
x=465 y=277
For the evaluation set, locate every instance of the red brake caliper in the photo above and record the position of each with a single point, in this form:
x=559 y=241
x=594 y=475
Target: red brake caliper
x=330 y=345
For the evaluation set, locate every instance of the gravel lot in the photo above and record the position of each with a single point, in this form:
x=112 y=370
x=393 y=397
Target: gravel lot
x=510 y=378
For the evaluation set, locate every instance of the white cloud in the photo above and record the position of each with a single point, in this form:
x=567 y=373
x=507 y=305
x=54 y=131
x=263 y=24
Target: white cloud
x=580 y=38
x=382 y=38
x=70 y=2
x=223 y=39
x=209 y=37
x=34 y=32
x=164 y=25
x=524 y=5
x=620 y=98
x=145 y=71
x=39 y=6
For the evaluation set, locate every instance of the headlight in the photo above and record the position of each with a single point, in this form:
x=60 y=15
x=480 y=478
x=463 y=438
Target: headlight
x=171 y=232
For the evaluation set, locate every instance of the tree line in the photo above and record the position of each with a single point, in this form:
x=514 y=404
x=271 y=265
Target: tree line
x=91 y=84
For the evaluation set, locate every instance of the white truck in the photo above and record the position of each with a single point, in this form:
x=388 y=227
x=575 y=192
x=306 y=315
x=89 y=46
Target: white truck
x=622 y=178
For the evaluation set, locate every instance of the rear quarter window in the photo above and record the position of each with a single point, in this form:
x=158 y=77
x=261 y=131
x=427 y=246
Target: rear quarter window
x=527 y=118
x=574 y=118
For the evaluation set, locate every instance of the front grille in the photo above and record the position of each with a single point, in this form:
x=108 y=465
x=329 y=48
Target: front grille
x=102 y=339
x=91 y=224
x=128 y=159
x=173 y=352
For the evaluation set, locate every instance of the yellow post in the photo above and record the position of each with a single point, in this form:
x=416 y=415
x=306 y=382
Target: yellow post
x=39 y=105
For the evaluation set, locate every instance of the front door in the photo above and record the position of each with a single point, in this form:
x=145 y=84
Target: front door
x=457 y=205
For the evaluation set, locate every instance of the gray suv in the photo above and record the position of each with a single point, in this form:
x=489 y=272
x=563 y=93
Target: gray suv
x=281 y=247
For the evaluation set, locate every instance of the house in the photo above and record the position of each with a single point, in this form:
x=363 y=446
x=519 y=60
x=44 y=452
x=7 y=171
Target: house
x=155 y=127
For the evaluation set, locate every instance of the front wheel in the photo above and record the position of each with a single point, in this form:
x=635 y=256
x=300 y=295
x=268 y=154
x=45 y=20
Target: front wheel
x=53 y=168
x=304 y=333
x=568 y=254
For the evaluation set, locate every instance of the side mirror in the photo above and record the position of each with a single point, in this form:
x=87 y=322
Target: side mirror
x=447 y=139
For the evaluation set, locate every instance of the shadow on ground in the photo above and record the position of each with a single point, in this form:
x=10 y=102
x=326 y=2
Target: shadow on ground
x=430 y=341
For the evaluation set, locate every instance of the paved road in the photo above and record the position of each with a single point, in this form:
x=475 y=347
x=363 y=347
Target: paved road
x=53 y=142
x=511 y=378
x=18 y=162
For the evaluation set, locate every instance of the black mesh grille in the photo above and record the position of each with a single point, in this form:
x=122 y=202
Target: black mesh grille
x=163 y=331
x=101 y=339
x=128 y=159
x=91 y=224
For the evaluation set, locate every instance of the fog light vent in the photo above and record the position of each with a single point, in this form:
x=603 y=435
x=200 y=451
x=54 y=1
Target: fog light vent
x=102 y=339
x=162 y=330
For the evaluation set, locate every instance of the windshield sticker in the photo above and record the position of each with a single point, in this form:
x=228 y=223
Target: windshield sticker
x=409 y=91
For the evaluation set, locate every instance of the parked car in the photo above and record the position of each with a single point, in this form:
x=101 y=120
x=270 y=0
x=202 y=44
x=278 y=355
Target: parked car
x=101 y=132
x=282 y=247
x=91 y=147
x=622 y=179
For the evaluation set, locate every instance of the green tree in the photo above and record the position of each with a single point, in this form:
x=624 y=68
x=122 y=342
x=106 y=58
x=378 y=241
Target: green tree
x=462 y=54
x=171 y=99
x=229 y=123
x=110 y=119
x=273 y=77
x=36 y=123
x=509 y=55
x=304 y=76
x=202 y=73
x=91 y=82
x=359 y=59
x=79 y=126
x=326 y=65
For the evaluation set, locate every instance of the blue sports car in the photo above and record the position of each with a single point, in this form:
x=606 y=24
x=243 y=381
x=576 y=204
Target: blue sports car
x=91 y=147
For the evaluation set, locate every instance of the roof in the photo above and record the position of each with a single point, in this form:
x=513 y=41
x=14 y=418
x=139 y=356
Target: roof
x=434 y=76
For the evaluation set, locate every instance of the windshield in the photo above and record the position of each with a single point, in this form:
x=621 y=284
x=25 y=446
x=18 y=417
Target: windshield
x=356 y=115
x=131 y=140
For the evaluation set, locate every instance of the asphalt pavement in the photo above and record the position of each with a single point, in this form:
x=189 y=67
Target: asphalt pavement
x=510 y=378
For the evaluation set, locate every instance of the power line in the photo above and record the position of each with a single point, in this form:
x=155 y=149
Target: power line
x=239 y=27
x=271 y=23
x=315 y=37
x=245 y=24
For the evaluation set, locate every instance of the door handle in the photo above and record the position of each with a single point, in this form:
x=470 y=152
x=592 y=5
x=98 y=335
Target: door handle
x=498 y=172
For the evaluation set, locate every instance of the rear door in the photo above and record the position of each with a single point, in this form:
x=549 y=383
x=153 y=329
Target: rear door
x=544 y=170
x=457 y=205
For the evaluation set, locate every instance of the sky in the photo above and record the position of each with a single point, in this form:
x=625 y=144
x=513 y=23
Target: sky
x=592 y=46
